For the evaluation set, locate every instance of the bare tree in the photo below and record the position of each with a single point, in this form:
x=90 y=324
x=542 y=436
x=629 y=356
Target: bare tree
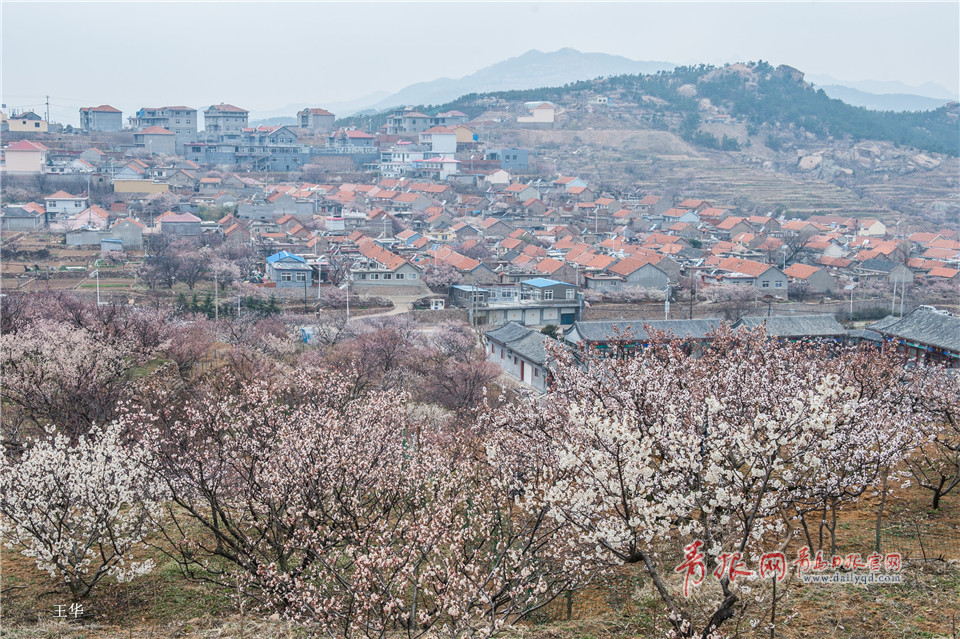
x=338 y=268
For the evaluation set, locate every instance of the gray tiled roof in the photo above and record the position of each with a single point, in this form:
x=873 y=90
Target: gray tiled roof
x=885 y=322
x=865 y=334
x=508 y=332
x=878 y=264
x=796 y=325
x=523 y=341
x=531 y=347
x=926 y=327
x=600 y=331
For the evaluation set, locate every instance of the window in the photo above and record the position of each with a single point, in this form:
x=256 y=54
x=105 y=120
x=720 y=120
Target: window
x=536 y=372
x=301 y=277
x=388 y=276
x=412 y=276
x=765 y=284
x=778 y=284
x=399 y=276
x=374 y=276
x=571 y=293
x=501 y=353
x=548 y=295
x=285 y=276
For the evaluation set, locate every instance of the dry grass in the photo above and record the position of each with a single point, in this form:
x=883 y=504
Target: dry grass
x=164 y=604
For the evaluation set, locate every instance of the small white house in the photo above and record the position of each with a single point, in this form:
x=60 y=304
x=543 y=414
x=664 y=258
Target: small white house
x=540 y=113
x=439 y=140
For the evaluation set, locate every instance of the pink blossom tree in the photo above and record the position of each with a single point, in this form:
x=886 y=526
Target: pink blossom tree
x=69 y=377
x=331 y=505
x=80 y=509
x=935 y=463
x=453 y=369
x=441 y=275
x=732 y=300
x=642 y=455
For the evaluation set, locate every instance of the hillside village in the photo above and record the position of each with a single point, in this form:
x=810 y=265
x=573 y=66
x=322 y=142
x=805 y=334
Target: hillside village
x=519 y=354
x=427 y=207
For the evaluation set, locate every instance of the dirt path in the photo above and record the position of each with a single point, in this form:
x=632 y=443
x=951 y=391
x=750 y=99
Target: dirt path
x=401 y=304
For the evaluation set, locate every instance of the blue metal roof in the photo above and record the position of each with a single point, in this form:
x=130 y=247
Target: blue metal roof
x=541 y=282
x=283 y=256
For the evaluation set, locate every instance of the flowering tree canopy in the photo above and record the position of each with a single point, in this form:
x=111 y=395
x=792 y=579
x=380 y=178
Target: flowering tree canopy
x=331 y=505
x=79 y=509
x=716 y=443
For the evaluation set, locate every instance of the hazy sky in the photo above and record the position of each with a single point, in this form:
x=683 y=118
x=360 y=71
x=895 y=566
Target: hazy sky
x=264 y=56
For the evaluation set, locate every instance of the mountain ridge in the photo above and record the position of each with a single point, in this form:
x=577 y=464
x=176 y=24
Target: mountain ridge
x=535 y=68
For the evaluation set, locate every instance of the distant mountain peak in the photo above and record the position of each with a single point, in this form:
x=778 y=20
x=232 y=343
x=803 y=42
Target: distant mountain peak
x=533 y=68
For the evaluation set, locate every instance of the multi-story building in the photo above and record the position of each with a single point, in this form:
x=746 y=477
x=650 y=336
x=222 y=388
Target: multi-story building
x=407 y=121
x=517 y=160
x=351 y=141
x=179 y=120
x=211 y=153
x=316 y=120
x=398 y=160
x=156 y=140
x=271 y=148
x=449 y=119
x=23 y=157
x=101 y=118
x=534 y=302
x=224 y=122
x=27 y=122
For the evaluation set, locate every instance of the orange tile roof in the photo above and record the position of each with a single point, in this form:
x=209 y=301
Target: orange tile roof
x=729 y=223
x=940 y=254
x=549 y=265
x=747 y=267
x=132 y=221
x=535 y=251
x=628 y=265
x=601 y=261
x=800 y=271
x=373 y=251
x=944 y=243
x=155 y=130
x=27 y=145
x=942 y=271
x=835 y=262
x=62 y=195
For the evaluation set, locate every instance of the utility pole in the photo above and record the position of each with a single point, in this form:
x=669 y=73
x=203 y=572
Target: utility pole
x=349 y=275
x=216 y=298
x=48 y=109
x=97 y=274
x=903 y=292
